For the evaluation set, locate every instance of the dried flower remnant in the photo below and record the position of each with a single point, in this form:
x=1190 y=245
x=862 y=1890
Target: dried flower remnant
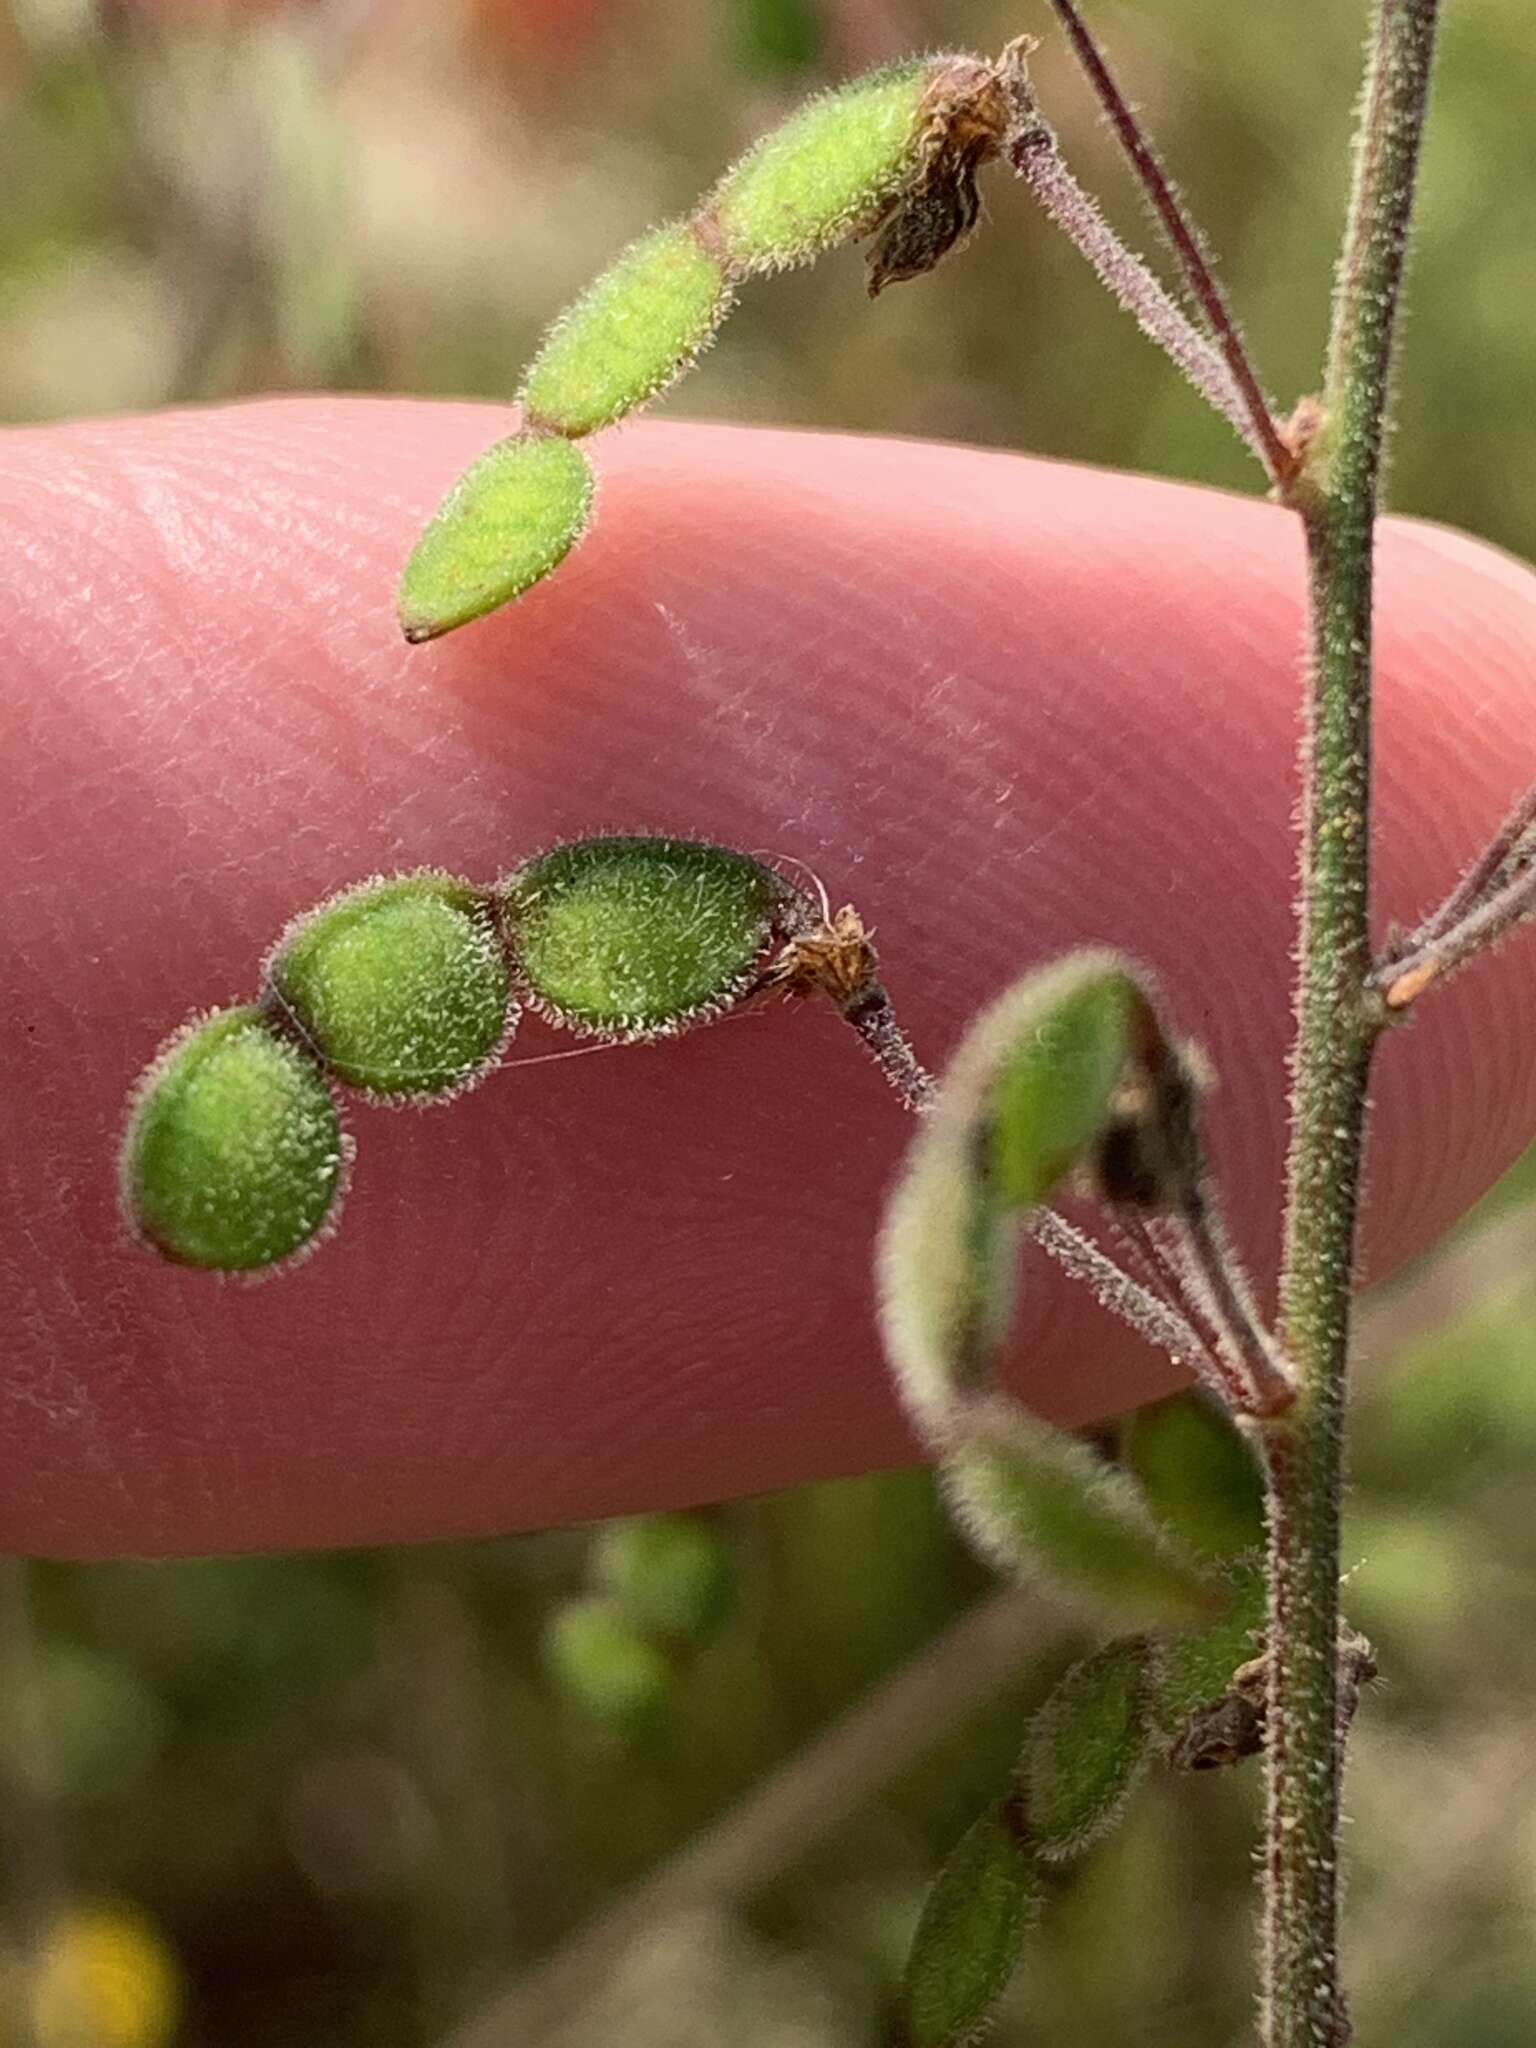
x=973 y=112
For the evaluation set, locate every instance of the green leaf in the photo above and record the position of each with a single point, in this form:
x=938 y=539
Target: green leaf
x=1085 y=1750
x=1200 y=1478
x=673 y=1573
x=234 y=1153
x=827 y=174
x=945 y=1264
x=1043 y=1503
x=1056 y=1045
x=1023 y=1098
x=631 y=938
x=971 y=1933
x=401 y=986
x=514 y=515
x=1195 y=1670
x=606 y=1665
x=629 y=335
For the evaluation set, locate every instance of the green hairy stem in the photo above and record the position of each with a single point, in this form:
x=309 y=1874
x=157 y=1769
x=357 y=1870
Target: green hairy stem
x=1336 y=1028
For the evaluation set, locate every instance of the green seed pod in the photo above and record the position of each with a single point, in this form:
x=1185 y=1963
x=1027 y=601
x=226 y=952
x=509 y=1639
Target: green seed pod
x=629 y=335
x=400 y=986
x=1198 y=1473
x=512 y=517
x=827 y=174
x=1085 y=1750
x=632 y=938
x=605 y=1665
x=969 y=1938
x=673 y=1573
x=1044 y=1504
x=234 y=1154
x=1020 y=1103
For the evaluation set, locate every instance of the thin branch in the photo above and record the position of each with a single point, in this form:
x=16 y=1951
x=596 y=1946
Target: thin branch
x=1370 y=134
x=1266 y=1384
x=1036 y=156
x=871 y=1015
x=1402 y=981
x=1512 y=848
x=1117 y=1291
x=1262 y=431
x=1480 y=910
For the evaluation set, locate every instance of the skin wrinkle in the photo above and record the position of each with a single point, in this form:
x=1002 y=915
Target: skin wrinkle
x=547 y=1301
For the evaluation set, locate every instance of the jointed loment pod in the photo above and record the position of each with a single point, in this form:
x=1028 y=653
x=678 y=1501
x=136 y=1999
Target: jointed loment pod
x=896 y=151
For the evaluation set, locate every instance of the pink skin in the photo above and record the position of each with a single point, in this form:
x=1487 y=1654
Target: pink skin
x=1001 y=705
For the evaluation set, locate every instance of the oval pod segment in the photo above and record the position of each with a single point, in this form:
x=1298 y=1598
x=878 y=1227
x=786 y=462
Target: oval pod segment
x=514 y=515
x=234 y=1155
x=629 y=335
x=827 y=174
x=632 y=938
x=401 y=986
x=603 y=1661
x=673 y=1572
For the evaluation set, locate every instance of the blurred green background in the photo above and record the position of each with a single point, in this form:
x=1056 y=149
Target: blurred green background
x=349 y=1800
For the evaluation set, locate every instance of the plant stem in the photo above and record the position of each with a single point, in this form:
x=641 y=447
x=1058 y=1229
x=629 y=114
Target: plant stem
x=1037 y=158
x=1263 y=432
x=1302 y=2003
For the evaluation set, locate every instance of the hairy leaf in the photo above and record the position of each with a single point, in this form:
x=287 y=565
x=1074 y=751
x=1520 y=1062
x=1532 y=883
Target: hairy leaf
x=971 y=1933
x=1044 y=1504
x=1085 y=1749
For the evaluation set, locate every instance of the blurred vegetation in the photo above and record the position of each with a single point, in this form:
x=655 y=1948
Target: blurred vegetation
x=338 y=1800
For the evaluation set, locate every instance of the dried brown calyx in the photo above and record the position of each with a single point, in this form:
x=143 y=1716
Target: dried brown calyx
x=973 y=111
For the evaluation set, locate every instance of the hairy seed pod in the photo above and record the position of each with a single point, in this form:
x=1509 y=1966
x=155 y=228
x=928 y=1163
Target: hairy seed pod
x=632 y=938
x=512 y=517
x=627 y=337
x=825 y=175
x=401 y=986
x=233 y=1157
x=1086 y=1748
x=974 y=1923
x=900 y=147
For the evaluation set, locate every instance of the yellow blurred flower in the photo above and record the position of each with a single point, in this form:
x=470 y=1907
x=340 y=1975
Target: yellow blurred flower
x=104 y=1978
